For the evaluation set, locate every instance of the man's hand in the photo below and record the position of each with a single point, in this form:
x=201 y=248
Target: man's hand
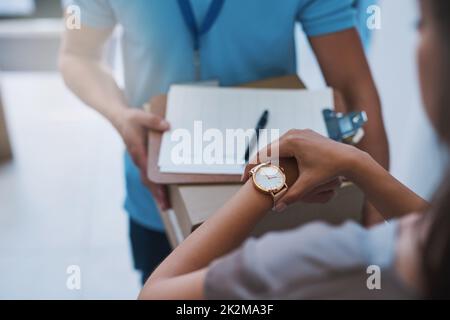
x=80 y=62
x=133 y=126
x=159 y=192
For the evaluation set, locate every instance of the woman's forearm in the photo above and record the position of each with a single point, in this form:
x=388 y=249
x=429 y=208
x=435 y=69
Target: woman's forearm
x=219 y=235
x=387 y=194
x=181 y=274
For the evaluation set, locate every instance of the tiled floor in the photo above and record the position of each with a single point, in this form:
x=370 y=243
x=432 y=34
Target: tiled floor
x=61 y=197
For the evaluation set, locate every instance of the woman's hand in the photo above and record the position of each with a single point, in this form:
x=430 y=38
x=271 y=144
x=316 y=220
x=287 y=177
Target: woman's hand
x=321 y=161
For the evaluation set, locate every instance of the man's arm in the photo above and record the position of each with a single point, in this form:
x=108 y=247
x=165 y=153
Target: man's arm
x=80 y=62
x=344 y=65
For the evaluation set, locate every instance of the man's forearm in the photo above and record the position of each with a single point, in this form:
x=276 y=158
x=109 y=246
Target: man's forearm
x=375 y=142
x=94 y=85
x=345 y=68
x=364 y=97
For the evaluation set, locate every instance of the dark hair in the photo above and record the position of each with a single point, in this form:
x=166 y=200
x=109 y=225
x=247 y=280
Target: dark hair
x=440 y=9
x=436 y=248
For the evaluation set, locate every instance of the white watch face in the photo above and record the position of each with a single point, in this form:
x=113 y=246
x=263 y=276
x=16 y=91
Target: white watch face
x=269 y=178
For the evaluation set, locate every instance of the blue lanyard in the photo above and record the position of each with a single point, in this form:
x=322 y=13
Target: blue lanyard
x=196 y=30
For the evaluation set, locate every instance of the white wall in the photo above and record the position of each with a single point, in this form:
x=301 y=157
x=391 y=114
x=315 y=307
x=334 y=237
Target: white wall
x=416 y=157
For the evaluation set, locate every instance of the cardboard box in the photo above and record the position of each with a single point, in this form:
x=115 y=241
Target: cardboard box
x=193 y=204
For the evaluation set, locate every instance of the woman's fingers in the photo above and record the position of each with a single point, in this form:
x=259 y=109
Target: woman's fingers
x=308 y=189
x=325 y=187
x=322 y=197
x=298 y=190
x=322 y=193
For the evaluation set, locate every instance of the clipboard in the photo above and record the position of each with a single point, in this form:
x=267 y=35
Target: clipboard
x=157 y=106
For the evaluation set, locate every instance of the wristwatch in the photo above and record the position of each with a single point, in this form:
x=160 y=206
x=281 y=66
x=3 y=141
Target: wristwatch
x=269 y=179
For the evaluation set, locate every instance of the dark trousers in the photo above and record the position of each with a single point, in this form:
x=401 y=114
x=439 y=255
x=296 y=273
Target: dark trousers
x=149 y=248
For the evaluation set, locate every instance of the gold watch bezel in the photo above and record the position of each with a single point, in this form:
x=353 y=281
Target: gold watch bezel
x=253 y=174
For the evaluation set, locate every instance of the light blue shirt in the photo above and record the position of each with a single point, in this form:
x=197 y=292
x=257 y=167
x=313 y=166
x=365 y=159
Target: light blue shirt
x=250 y=40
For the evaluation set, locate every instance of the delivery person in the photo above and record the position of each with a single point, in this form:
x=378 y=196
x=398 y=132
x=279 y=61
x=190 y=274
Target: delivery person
x=179 y=41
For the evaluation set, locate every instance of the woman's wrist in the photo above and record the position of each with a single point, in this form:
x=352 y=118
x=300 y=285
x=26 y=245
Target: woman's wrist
x=353 y=162
x=259 y=202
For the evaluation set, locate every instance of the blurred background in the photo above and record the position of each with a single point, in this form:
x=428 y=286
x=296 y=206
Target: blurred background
x=61 y=192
